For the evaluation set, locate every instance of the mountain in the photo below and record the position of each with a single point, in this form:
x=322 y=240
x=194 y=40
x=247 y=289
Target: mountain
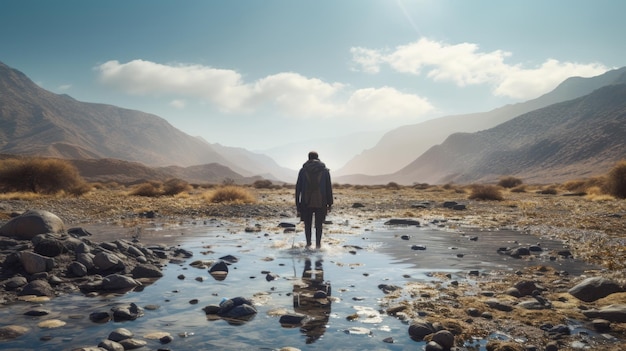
x=34 y=121
x=573 y=139
x=406 y=143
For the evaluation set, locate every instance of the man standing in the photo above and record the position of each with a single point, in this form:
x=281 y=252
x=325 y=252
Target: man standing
x=314 y=195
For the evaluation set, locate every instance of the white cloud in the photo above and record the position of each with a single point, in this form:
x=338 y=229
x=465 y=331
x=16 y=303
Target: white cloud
x=179 y=104
x=386 y=101
x=464 y=64
x=289 y=93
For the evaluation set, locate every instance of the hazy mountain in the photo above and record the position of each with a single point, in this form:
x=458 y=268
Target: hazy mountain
x=573 y=139
x=402 y=145
x=34 y=121
x=334 y=152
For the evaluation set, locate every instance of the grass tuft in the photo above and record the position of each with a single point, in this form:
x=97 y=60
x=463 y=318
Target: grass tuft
x=485 y=192
x=230 y=194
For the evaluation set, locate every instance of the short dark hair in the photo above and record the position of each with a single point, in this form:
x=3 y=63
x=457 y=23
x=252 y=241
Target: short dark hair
x=313 y=155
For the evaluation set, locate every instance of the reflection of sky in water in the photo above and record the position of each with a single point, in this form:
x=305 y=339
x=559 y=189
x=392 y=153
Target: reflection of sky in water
x=354 y=273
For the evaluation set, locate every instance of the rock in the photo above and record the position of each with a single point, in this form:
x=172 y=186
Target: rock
x=118 y=282
x=37 y=288
x=9 y=332
x=292 y=319
x=533 y=305
x=595 y=288
x=146 y=271
x=601 y=325
x=449 y=204
x=131 y=344
x=14 y=283
x=419 y=330
x=229 y=259
x=111 y=345
x=237 y=308
x=78 y=232
x=220 y=266
x=99 y=317
x=386 y=288
x=127 y=313
x=418 y=247
x=86 y=259
x=211 y=309
x=286 y=225
x=32 y=223
x=120 y=334
x=444 y=338
x=77 y=269
x=498 y=305
x=518 y=252
x=35 y=263
x=37 y=312
x=459 y=207
x=47 y=245
x=612 y=313
x=513 y=292
x=433 y=346
x=526 y=287
x=407 y=222
x=271 y=276
x=107 y=261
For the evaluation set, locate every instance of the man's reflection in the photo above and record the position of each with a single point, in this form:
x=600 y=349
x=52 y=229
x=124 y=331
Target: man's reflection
x=313 y=299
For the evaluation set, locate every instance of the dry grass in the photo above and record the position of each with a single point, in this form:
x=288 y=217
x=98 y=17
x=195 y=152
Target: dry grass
x=509 y=182
x=230 y=194
x=485 y=192
x=41 y=175
x=616 y=180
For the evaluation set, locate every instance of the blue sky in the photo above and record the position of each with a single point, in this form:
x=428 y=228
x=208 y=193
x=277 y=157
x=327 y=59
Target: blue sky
x=260 y=74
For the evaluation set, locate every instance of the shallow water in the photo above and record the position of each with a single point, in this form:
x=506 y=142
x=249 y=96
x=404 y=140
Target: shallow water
x=353 y=264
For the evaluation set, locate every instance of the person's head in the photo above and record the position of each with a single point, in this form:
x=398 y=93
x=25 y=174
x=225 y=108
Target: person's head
x=313 y=155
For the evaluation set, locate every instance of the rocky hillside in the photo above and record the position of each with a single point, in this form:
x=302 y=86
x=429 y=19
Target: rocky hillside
x=34 y=121
x=574 y=139
x=407 y=143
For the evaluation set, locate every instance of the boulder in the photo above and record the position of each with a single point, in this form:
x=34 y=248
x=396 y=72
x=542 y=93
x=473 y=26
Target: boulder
x=612 y=313
x=238 y=308
x=9 y=332
x=34 y=263
x=32 y=223
x=107 y=261
x=48 y=245
x=595 y=288
x=444 y=338
x=119 y=282
x=419 y=330
x=146 y=271
x=38 y=288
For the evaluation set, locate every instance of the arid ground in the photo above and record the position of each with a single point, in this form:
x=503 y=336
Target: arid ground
x=593 y=229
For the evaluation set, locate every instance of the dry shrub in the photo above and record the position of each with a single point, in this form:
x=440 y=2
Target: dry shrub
x=148 y=189
x=509 y=182
x=231 y=193
x=485 y=192
x=550 y=190
x=40 y=175
x=175 y=186
x=519 y=189
x=421 y=186
x=262 y=184
x=616 y=180
x=392 y=186
x=583 y=185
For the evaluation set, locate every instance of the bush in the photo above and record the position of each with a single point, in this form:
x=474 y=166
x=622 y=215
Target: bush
x=262 y=184
x=551 y=190
x=175 y=186
x=485 y=192
x=392 y=186
x=509 y=182
x=148 y=189
x=519 y=189
x=231 y=193
x=616 y=180
x=41 y=176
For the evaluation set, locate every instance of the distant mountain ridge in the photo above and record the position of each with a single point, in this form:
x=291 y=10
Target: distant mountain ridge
x=408 y=142
x=573 y=139
x=34 y=121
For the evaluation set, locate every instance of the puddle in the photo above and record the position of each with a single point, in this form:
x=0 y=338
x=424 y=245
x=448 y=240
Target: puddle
x=350 y=270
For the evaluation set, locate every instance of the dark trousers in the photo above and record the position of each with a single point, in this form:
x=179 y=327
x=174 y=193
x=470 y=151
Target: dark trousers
x=307 y=217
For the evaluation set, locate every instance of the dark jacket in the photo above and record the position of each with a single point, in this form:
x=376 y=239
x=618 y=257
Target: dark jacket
x=313 y=187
